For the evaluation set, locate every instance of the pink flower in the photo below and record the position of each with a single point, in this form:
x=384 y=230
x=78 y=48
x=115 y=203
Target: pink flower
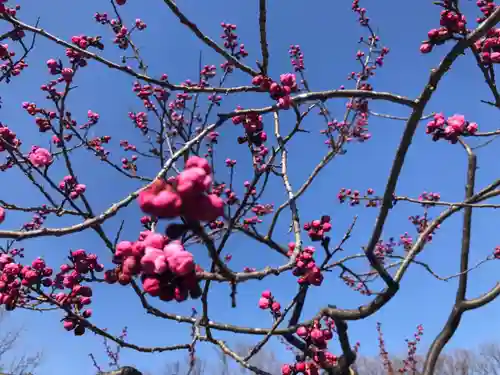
x=193 y=181
x=38 y=264
x=130 y=266
x=154 y=261
x=124 y=248
x=40 y=157
x=160 y=200
x=288 y=79
x=155 y=240
x=151 y=286
x=457 y=122
x=2 y=215
x=180 y=261
x=204 y=208
x=197 y=162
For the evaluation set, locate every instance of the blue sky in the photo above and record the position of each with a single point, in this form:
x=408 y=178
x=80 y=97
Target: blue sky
x=328 y=34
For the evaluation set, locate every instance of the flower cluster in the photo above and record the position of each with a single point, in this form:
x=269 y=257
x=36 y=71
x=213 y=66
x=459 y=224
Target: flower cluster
x=255 y=136
x=429 y=197
x=130 y=164
x=231 y=41
x=355 y=197
x=127 y=146
x=37 y=221
x=184 y=195
x=56 y=67
x=252 y=123
x=306 y=270
x=452 y=22
x=44 y=122
x=406 y=241
x=15 y=279
x=167 y=270
x=451 y=128
x=384 y=248
x=58 y=142
x=279 y=92
x=267 y=301
x=316 y=229
x=384 y=355
x=421 y=223
x=140 y=120
x=96 y=145
x=317 y=336
x=93 y=119
x=83 y=42
x=297 y=58
x=262 y=209
x=488 y=46
x=8 y=66
x=8 y=138
x=231 y=197
x=14 y=276
x=410 y=363
x=71 y=187
x=40 y=157
x=147 y=92
x=356 y=285
x=8 y=10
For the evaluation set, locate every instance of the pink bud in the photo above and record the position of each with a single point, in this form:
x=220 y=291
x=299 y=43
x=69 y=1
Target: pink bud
x=197 y=162
x=69 y=325
x=302 y=331
x=264 y=303
x=124 y=248
x=317 y=336
x=155 y=240
x=154 y=261
x=38 y=264
x=426 y=47
x=328 y=335
x=286 y=370
x=151 y=286
x=193 y=181
x=204 y=207
x=300 y=366
x=266 y=294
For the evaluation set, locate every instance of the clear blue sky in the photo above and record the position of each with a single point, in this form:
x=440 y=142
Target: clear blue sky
x=327 y=32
